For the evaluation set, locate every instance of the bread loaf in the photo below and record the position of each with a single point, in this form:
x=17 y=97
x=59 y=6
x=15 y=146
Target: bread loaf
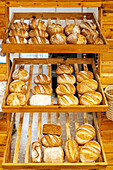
x=85 y=86
x=54 y=28
x=87 y=32
x=90 y=152
x=36 y=152
x=53 y=155
x=41 y=100
x=42 y=89
x=84 y=134
x=58 y=38
x=71 y=28
x=42 y=79
x=76 y=39
x=16 y=40
x=65 y=89
x=18 y=86
x=20 y=25
x=88 y=25
x=51 y=141
x=66 y=78
x=51 y=129
x=19 y=32
x=38 y=33
x=20 y=74
x=72 y=151
x=84 y=75
x=91 y=98
x=16 y=99
x=98 y=41
x=68 y=99
x=37 y=24
x=38 y=40
x=64 y=69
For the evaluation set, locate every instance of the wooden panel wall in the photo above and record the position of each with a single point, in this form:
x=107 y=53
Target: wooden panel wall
x=2 y=18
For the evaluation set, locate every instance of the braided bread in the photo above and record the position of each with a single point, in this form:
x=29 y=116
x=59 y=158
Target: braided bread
x=19 y=32
x=42 y=89
x=38 y=33
x=84 y=75
x=58 y=38
x=38 y=40
x=64 y=69
x=16 y=40
x=67 y=99
x=65 y=89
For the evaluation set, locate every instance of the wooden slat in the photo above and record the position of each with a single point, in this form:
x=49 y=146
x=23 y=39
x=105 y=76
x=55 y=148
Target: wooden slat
x=76 y=68
x=85 y=117
x=67 y=126
x=48 y=118
x=40 y=69
x=2 y=21
x=76 y=121
x=58 y=118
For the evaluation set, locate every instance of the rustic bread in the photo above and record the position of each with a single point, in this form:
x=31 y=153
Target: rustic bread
x=41 y=100
x=65 y=89
x=38 y=40
x=36 y=152
x=76 y=39
x=66 y=78
x=58 y=39
x=91 y=98
x=85 y=86
x=51 y=141
x=37 y=24
x=68 y=99
x=20 y=74
x=38 y=33
x=51 y=129
x=87 y=32
x=42 y=89
x=54 y=28
x=20 y=25
x=42 y=79
x=19 y=32
x=53 y=155
x=88 y=25
x=18 y=86
x=84 y=134
x=84 y=75
x=64 y=69
x=16 y=99
x=90 y=152
x=98 y=41
x=71 y=28
x=16 y=40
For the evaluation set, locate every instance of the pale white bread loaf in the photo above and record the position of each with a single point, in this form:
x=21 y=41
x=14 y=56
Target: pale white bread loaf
x=51 y=141
x=18 y=86
x=88 y=85
x=64 y=69
x=66 y=78
x=67 y=99
x=16 y=99
x=36 y=152
x=90 y=152
x=53 y=155
x=84 y=75
x=42 y=79
x=20 y=74
x=42 y=89
x=71 y=151
x=91 y=98
x=41 y=100
x=84 y=134
x=65 y=89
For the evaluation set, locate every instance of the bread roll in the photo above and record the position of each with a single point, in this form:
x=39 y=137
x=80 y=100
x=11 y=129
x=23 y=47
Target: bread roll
x=41 y=100
x=90 y=152
x=87 y=32
x=67 y=99
x=42 y=89
x=16 y=99
x=16 y=40
x=54 y=28
x=65 y=89
x=71 y=28
x=37 y=24
x=51 y=129
x=84 y=75
x=66 y=78
x=38 y=40
x=53 y=155
x=20 y=74
x=64 y=69
x=51 y=141
x=20 y=25
x=18 y=86
x=84 y=134
x=38 y=33
x=71 y=151
x=42 y=79
x=76 y=39
x=58 y=38
x=85 y=86
x=19 y=32
x=36 y=152
x=91 y=98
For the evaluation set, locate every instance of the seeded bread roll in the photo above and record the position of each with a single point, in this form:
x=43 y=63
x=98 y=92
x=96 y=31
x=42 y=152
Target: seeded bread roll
x=20 y=74
x=67 y=99
x=71 y=28
x=64 y=69
x=42 y=89
x=71 y=151
x=91 y=98
x=18 y=86
x=58 y=39
x=84 y=75
x=66 y=78
x=16 y=99
x=85 y=86
x=36 y=152
x=51 y=129
x=84 y=134
x=90 y=152
x=54 y=28
x=51 y=141
x=42 y=79
x=65 y=89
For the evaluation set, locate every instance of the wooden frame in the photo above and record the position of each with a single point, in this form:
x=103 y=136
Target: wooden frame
x=77 y=108
x=66 y=48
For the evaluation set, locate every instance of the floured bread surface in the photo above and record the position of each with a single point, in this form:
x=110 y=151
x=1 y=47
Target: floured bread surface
x=84 y=75
x=90 y=152
x=68 y=99
x=84 y=134
x=20 y=74
x=36 y=152
x=58 y=38
x=53 y=155
x=42 y=79
x=66 y=78
x=42 y=89
x=65 y=89
x=67 y=69
x=16 y=99
x=41 y=100
x=18 y=86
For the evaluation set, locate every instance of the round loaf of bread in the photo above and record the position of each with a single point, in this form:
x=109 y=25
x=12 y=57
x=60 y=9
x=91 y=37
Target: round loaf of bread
x=18 y=86
x=20 y=74
x=84 y=75
x=66 y=78
x=54 y=28
x=64 y=69
x=42 y=79
x=42 y=89
x=51 y=141
x=67 y=99
x=76 y=39
x=84 y=134
x=72 y=28
x=65 y=89
x=85 y=86
x=16 y=99
x=91 y=98
x=71 y=151
x=58 y=39
x=90 y=152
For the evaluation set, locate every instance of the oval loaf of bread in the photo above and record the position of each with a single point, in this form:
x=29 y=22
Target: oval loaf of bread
x=84 y=134
x=64 y=69
x=42 y=89
x=66 y=78
x=84 y=75
x=18 y=86
x=68 y=99
x=42 y=79
x=16 y=99
x=65 y=89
